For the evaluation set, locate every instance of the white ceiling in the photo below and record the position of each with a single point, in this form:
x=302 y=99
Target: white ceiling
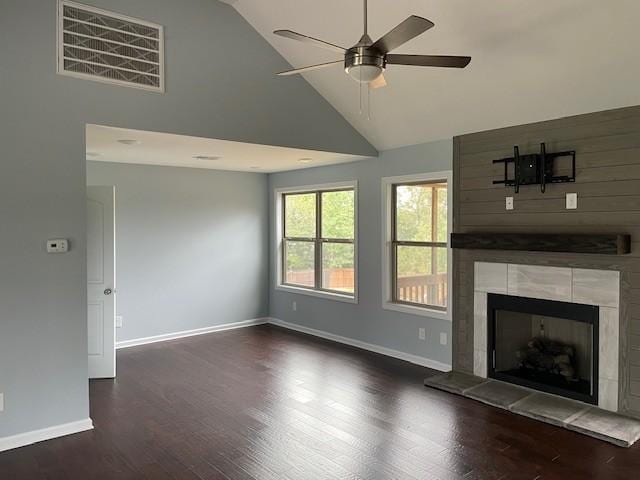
x=178 y=151
x=532 y=60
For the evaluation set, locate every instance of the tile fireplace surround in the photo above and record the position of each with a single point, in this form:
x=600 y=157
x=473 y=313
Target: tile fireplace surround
x=600 y=288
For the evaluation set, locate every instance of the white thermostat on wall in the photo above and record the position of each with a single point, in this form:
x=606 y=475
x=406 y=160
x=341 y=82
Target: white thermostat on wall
x=57 y=245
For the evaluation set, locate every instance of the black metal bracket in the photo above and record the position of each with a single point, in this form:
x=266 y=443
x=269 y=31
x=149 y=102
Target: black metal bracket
x=535 y=169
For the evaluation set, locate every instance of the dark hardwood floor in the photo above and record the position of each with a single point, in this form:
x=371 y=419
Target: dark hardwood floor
x=266 y=403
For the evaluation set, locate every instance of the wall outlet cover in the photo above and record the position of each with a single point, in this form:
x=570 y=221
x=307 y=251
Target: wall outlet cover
x=572 y=201
x=118 y=321
x=294 y=306
x=509 y=203
x=422 y=333
x=1 y=402
x=443 y=338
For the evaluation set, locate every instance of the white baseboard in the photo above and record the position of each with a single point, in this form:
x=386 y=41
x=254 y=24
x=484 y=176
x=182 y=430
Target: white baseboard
x=416 y=359
x=28 y=438
x=190 y=333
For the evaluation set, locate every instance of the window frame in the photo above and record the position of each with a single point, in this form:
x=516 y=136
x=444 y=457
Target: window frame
x=390 y=245
x=319 y=241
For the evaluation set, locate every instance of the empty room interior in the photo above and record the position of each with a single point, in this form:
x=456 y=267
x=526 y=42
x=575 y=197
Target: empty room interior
x=340 y=239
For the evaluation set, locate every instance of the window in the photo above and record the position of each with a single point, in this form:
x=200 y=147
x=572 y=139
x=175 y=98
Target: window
x=318 y=245
x=417 y=252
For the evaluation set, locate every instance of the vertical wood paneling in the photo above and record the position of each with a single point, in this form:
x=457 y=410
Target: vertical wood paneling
x=608 y=186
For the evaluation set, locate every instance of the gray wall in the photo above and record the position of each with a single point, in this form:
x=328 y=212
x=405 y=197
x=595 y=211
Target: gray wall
x=191 y=246
x=607 y=146
x=367 y=321
x=220 y=84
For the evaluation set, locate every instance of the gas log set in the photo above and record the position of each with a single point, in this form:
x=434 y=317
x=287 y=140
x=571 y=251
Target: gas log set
x=548 y=356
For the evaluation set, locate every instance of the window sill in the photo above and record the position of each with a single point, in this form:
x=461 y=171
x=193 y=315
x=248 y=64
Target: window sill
x=419 y=311
x=318 y=294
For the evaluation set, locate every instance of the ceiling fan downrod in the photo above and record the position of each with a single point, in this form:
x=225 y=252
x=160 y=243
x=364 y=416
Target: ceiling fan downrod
x=366 y=20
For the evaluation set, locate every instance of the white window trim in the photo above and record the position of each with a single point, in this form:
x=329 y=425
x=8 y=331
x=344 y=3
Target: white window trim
x=387 y=185
x=278 y=193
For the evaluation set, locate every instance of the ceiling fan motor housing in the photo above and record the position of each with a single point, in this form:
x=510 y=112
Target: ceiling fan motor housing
x=364 y=63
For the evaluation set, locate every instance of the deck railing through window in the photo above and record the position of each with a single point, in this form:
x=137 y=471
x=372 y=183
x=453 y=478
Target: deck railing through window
x=423 y=289
x=338 y=279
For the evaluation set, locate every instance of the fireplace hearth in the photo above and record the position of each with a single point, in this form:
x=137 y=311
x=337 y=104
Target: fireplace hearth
x=547 y=345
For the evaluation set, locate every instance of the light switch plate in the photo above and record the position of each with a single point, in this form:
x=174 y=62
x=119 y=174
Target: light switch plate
x=443 y=338
x=572 y=201
x=118 y=321
x=1 y=402
x=422 y=333
x=509 y=203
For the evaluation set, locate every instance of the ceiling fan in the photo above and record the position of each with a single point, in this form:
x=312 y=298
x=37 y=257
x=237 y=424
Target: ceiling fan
x=367 y=60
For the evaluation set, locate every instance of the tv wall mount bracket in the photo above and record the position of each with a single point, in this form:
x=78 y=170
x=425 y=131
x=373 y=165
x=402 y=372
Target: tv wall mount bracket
x=535 y=169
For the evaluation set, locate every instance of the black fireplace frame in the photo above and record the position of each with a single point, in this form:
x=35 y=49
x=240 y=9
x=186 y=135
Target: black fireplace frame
x=572 y=311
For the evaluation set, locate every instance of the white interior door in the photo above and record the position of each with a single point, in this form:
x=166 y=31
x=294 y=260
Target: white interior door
x=101 y=280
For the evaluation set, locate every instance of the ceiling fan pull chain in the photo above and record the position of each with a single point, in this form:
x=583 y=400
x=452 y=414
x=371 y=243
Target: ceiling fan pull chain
x=360 y=96
x=368 y=102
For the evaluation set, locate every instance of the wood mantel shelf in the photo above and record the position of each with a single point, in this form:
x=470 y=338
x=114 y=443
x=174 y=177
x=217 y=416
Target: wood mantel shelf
x=601 y=244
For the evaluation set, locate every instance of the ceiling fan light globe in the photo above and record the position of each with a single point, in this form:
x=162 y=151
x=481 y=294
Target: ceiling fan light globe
x=364 y=73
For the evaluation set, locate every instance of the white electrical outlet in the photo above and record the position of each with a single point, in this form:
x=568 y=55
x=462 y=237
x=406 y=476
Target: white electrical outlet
x=509 y=203
x=572 y=201
x=443 y=338
x=118 y=321
x=294 y=306
x=422 y=333
x=1 y=402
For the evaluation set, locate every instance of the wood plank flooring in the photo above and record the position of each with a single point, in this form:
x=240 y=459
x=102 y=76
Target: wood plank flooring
x=266 y=403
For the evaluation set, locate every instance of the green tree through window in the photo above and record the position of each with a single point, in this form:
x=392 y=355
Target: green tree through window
x=319 y=240
x=419 y=244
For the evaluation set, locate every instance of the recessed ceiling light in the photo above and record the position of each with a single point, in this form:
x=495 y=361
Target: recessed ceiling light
x=129 y=141
x=305 y=160
x=94 y=154
x=206 y=157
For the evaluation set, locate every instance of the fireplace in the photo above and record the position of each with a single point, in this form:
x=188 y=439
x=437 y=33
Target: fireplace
x=547 y=345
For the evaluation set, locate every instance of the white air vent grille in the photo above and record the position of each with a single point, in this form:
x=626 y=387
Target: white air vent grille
x=108 y=47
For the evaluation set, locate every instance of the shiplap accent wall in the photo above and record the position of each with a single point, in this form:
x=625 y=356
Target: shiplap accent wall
x=608 y=186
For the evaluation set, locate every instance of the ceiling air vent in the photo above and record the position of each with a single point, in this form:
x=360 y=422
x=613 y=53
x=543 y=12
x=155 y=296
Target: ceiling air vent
x=98 y=45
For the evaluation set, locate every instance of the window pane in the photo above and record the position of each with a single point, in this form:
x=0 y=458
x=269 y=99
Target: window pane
x=338 y=267
x=299 y=260
x=413 y=213
x=338 y=214
x=441 y=260
x=441 y=214
x=300 y=215
x=422 y=276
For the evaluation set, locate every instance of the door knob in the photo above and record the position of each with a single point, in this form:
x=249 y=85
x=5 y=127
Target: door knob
x=108 y=291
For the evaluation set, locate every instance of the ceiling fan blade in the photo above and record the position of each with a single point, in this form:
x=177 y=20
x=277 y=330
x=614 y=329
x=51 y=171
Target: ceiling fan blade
x=313 y=41
x=309 y=68
x=410 y=28
x=429 y=60
x=378 y=82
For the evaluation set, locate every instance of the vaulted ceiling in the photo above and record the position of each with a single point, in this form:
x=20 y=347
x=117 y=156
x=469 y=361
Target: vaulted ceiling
x=532 y=60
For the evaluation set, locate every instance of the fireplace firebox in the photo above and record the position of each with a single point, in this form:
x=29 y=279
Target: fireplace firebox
x=546 y=345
